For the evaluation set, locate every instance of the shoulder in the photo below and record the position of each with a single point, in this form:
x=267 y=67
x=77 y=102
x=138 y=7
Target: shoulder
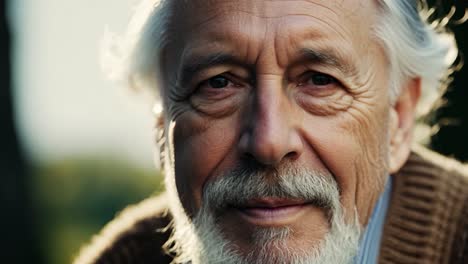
x=426 y=170
x=136 y=235
x=428 y=216
x=451 y=200
x=423 y=157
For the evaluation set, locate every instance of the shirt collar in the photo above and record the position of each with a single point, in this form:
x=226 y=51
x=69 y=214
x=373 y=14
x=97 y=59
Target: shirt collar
x=369 y=245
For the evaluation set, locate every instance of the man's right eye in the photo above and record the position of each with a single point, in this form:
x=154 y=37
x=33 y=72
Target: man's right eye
x=219 y=95
x=215 y=88
x=218 y=82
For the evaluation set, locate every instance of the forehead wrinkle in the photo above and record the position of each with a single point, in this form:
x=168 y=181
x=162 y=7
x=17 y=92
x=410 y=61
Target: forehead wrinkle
x=327 y=24
x=319 y=4
x=194 y=15
x=330 y=57
x=229 y=37
x=224 y=49
x=257 y=9
x=346 y=25
x=238 y=40
x=314 y=42
x=268 y=13
x=337 y=27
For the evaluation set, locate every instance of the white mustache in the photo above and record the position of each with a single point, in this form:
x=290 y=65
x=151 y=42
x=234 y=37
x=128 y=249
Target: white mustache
x=242 y=184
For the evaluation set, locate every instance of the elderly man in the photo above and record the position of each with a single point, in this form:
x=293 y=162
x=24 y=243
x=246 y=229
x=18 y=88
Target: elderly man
x=287 y=136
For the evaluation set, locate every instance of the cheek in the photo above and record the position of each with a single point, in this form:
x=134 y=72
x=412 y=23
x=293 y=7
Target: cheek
x=351 y=149
x=371 y=163
x=202 y=148
x=337 y=149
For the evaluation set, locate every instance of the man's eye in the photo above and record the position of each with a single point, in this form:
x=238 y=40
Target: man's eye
x=218 y=82
x=320 y=79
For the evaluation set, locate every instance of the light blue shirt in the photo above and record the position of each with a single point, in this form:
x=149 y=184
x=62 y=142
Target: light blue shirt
x=369 y=246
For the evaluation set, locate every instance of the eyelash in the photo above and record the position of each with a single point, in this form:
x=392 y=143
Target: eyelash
x=232 y=82
x=181 y=93
x=303 y=81
x=207 y=82
x=306 y=77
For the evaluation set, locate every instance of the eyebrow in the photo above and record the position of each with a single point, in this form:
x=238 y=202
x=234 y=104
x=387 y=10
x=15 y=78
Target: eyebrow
x=328 y=58
x=200 y=63
x=194 y=65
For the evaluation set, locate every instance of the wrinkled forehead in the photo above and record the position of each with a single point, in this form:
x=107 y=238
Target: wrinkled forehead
x=196 y=12
x=249 y=26
x=251 y=20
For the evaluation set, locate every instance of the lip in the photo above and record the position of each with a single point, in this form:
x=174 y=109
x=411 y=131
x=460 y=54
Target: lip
x=272 y=211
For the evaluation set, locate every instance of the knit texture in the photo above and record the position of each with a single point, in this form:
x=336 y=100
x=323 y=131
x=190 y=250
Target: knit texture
x=427 y=222
x=136 y=236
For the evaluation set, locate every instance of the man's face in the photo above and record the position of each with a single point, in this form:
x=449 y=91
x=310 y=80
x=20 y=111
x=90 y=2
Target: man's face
x=260 y=86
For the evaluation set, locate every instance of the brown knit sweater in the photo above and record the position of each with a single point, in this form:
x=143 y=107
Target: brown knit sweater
x=427 y=221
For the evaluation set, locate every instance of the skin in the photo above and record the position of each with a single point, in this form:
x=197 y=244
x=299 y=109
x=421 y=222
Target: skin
x=326 y=109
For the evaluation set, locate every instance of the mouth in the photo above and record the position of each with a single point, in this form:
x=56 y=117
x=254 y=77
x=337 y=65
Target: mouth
x=272 y=211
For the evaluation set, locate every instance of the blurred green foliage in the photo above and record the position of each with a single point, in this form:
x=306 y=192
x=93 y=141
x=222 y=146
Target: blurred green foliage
x=76 y=197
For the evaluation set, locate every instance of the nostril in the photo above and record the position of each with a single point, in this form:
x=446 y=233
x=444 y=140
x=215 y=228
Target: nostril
x=249 y=157
x=293 y=155
x=249 y=161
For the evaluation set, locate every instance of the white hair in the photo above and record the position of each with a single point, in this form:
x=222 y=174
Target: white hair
x=414 y=46
x=134 y=58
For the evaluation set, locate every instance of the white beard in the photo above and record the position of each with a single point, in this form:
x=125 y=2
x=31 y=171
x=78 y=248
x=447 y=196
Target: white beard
x=201 y=241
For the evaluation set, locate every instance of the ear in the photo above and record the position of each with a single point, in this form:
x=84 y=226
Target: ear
x=402 y=115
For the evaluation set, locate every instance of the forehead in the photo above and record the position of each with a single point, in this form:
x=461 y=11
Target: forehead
x=275 y=8
x=204 y=14
x=248 y=27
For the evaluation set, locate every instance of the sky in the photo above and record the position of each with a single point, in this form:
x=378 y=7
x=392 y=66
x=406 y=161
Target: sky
x=65 y=106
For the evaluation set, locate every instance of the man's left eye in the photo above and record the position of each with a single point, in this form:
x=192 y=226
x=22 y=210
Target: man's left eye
x=320 y=79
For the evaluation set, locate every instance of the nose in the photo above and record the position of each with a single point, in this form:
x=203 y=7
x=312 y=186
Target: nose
x=271 y=134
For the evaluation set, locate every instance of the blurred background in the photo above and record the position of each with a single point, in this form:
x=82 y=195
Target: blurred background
x=76 y=149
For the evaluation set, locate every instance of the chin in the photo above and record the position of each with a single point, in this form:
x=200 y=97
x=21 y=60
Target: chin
x=204 y=241
x=216 y=235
